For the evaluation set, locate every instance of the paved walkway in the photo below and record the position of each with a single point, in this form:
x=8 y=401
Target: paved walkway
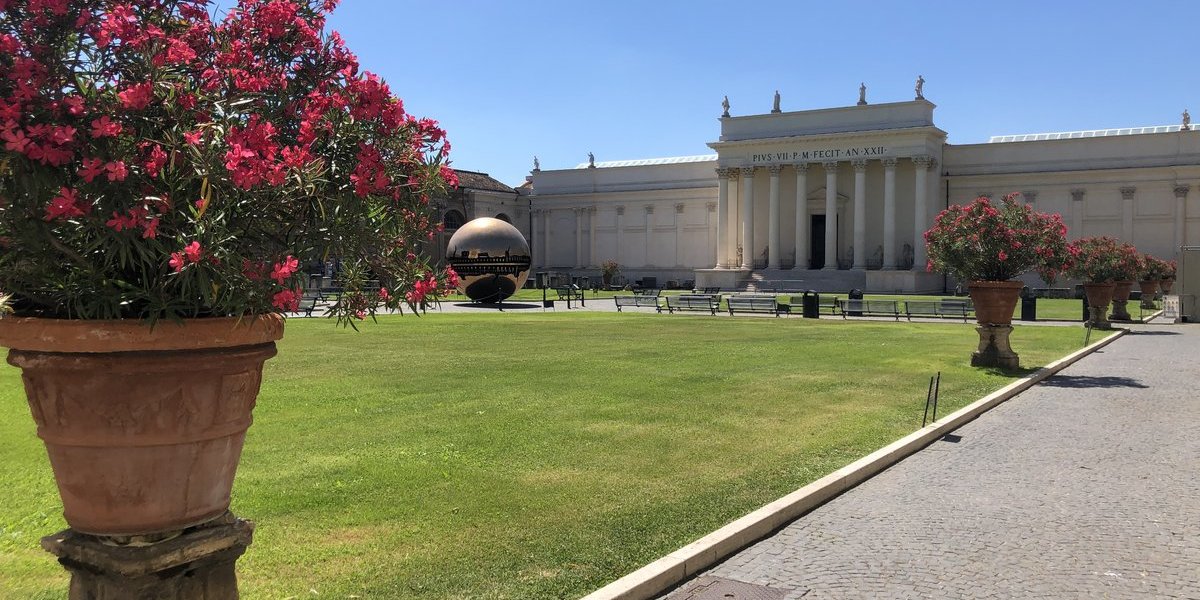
x=1085 y=486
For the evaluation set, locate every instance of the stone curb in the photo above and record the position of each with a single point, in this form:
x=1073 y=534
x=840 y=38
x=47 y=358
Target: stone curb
x=660 y=575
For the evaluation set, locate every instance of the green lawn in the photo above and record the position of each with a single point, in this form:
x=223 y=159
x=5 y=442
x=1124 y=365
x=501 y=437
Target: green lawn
x=531 y=455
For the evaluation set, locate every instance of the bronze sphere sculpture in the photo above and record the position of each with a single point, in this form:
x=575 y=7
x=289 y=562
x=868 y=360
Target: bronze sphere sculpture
x=491 y=258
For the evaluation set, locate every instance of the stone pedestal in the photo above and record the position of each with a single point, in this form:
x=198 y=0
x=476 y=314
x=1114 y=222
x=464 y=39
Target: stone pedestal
x=196 y=564
x=994 y=349
x=1120 y=311
x=1099 y=320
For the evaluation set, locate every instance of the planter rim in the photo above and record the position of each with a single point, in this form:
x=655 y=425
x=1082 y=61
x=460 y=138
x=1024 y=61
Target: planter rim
x=34 y=334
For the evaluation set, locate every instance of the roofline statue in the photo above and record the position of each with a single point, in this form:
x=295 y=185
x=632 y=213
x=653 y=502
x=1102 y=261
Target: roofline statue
x=862 y=93
x=725 y=105
x=920 y=88
x=775 y=105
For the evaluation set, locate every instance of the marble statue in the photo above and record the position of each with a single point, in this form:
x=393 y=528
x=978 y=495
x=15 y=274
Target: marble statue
x=862 y=94
x=591 y=160
x=920 y=88
x=1187 y=121
x=725 y=105
x=906 y=257
x=775 y=105
x=537 y=166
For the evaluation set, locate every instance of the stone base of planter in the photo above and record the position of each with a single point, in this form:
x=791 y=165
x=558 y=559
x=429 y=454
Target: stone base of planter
x=197 y=564
x=1120 y=311
x=994 y=349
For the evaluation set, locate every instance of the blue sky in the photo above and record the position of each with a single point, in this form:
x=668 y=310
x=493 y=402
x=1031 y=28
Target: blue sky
x=628 y=79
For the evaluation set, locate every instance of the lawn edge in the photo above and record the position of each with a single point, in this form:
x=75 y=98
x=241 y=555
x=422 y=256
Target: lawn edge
x=676 y=567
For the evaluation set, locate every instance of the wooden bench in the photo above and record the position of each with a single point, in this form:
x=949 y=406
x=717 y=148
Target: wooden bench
x=637 y=300
x=870 y=308
x=753 y=304
x=707 y=302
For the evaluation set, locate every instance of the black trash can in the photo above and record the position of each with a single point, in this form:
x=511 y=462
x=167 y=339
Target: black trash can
x=811 y=302
x=1028 y=305
x=855 y=294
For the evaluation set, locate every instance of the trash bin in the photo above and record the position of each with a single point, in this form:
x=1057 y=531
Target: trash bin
x=649 y=282
x=811 y=303
x=1028 y=305
x=855 y=294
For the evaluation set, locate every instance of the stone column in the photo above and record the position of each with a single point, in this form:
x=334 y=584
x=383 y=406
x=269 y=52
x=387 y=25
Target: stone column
x=830 y=214
x=591 y=211
x=1077 y=213
x=649 y=232
x=773 y=250
x=802 y=223
x=578 y=237
x=1127 y=194
x=546 y=237
x=679 y=234
x=1181 y=192
x=860 y=213
x=889 y=214
x=711 y=231
x=747 y=217
x=722 y=251
x=920 y=214
x=620 y=226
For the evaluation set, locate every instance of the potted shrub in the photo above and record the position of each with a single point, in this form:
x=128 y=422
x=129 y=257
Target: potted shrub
x=1130 y=264
x=1152 y=271
x=1168 y=277
x=988 y=245
x=1099 y=262
x=162 y=177
x=608 y=272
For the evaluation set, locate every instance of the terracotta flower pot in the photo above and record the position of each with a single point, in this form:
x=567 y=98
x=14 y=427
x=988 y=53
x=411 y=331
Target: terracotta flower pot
x=1148 y=288
x=1165 y=285
x=1099 y=295
x=1120 y=301
x=144 y=427
x=995 y=301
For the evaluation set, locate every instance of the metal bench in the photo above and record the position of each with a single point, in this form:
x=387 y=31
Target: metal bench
x=707 y=302
x=308 y=303
x=829 y=305
x=569 y=293
x=638 y=300
x=870 y=308
x=956 y=308
x=753 y=304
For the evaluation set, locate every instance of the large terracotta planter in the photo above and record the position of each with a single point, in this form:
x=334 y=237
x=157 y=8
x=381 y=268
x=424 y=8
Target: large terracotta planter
x=1148 y=288
x=1120 y=301
x=144 y=427
x=995 y=301
x=1166 y=284
x=1099 y=295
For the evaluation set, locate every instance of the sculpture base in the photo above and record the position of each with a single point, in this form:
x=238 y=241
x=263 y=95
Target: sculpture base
x=1098 y=320
x=994 y=349
x=197 y=564
x=1120 y=311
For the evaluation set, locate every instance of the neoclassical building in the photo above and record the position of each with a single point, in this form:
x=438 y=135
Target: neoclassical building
x=838 y=198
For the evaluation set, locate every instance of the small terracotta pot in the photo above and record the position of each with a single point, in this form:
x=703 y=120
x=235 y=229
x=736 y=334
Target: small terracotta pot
x=1099 y=296
x=995 y=301
x=1165 y=285
x=144 y=427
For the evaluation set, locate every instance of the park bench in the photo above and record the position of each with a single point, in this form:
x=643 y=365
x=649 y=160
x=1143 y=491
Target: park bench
x=637 y=300
x=569 y=293
x=753 y=304
x=870 y=308
x=711 y=290
x=829 y=305
x=956 y=307
x=308 y=303
x=707 y=302
x=935 y=309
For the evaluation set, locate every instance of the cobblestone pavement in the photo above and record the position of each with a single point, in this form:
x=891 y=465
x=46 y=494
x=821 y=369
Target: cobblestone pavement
x=1085 y=486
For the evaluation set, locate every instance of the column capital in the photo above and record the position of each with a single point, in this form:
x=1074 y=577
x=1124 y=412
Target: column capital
x=724 y=172
x=576 y=210
x=747 y=171
x=889 y=162
x=1127 y=192
x=774 y=170
x=922 y=161
x=712 y=206
x=679 y=208
x=1077 y=194
x=987 y=195
x=593 y=209
x=1181 y=190
x=830 y=165
x=1030 y=195
x=801 y=167
x=649 y=209
x=860 y=165
x=620 y=210
x=535 y=211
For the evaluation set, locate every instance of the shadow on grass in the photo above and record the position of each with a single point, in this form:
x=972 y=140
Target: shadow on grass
x=498 y=306
x=1088 y=381
x=1145 y=332
x=1013 y=373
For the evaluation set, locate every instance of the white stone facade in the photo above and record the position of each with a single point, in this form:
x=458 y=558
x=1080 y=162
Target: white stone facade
x=760 y=207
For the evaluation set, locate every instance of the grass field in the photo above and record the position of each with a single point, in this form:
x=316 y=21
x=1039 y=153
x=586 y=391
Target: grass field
x=531 y=455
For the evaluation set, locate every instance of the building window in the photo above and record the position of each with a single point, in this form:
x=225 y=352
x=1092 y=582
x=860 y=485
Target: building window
x=453 y=220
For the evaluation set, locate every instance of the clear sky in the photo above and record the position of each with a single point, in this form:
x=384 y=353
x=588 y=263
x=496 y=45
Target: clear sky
x=643 y=79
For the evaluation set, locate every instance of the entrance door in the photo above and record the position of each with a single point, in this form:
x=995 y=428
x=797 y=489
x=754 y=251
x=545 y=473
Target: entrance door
x=817 y=246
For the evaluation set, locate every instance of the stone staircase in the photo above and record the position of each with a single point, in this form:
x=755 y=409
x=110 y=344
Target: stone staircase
x=797 y=280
